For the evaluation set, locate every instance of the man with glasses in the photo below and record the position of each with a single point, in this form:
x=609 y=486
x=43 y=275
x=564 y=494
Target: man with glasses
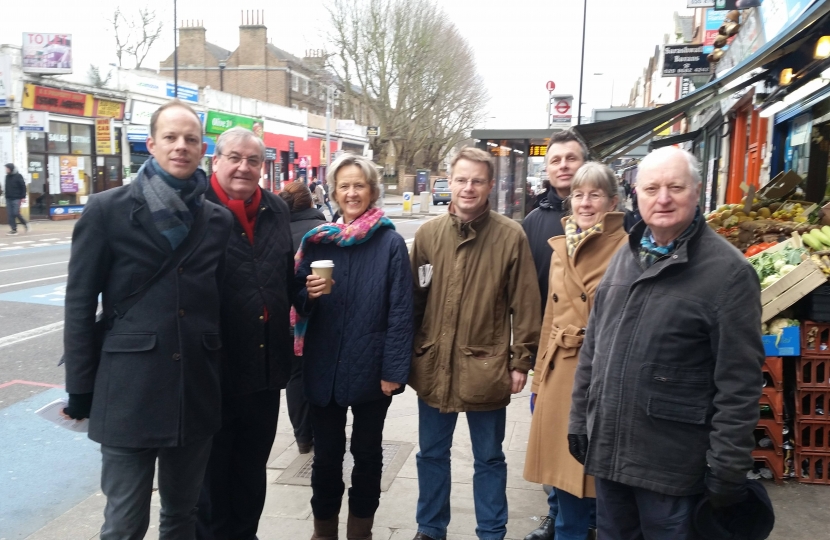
x=256 y=298
x=477 y=317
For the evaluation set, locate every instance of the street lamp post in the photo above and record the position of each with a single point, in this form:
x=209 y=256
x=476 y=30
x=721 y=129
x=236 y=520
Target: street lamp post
x=582 y=62
x=176 y=54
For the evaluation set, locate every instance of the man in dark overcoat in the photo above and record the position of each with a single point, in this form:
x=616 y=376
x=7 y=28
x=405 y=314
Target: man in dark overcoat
x=152 y=390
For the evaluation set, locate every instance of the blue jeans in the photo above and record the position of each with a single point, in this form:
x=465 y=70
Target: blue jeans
x=435 y=431
x=574 y=516
x=553 y=504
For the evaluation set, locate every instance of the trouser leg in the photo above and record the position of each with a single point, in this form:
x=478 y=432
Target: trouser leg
x=618 y=517
x=575 y=516
x=435 y=431
x=490 y=472
x=329 y=424
x=366 y=447
x=297 y=404
x=181 y=474
x=127 y=482
x=666 y=517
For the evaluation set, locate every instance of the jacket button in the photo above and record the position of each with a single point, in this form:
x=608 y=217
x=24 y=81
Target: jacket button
x=584 y=298
x=181 y=269
x=261 y=345
x=181 y=313
x=243 y=234
x=177 y=356
x=674 y=256
x=555 y=298
x=261 y=317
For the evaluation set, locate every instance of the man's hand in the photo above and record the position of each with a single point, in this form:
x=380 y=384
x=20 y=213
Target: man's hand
x=724 y=493
x=389 y=387
x=578 y=447
x=315 y=286
x=519 y=380
x=79 y=406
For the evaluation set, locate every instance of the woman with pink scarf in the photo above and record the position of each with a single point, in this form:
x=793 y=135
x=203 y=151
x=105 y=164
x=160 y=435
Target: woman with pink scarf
x=356 y=343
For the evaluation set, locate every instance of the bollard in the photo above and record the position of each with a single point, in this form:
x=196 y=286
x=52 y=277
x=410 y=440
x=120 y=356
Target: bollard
x=407 y=203
x=425 y=200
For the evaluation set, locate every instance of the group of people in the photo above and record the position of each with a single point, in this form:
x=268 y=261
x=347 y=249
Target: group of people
x=647 y=371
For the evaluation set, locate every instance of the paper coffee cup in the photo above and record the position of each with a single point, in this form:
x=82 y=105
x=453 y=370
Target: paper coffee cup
x=323 y=269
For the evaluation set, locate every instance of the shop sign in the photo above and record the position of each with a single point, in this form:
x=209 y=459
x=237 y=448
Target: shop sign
x=729 y=5
x=5 y=79
x=219 y=123
x=713 y=22
x=104 y=136
x=137 y=133
x=187 y=92
x=373 y=131
x=683 y=60
x=69 y=167
x=67 y=209
x=108 y=109
x=537 y=150
x=270 y=154
x=47 y=53
x=33 y=120
x=291 y=155
x=163 y=89
x=142 y=112
x=778 y=14
x=41 y=98
x=700 y=3
x=345 y=125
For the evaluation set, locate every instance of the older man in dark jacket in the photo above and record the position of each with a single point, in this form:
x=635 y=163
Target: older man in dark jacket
x=256 y=299
x=666 y=393
x=151 y=392
x=15 y=191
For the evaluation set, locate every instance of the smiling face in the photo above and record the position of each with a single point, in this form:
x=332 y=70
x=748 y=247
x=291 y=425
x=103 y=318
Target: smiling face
x=667 y=196
x=177 y=142
x=238 y=168
x=563 y=160
x=470 y=187
x=590 y=204
x=352 y=192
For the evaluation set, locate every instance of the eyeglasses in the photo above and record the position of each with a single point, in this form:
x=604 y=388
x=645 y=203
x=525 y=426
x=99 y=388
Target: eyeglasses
x=593 y=197
x=236 y=159
x=460 y=182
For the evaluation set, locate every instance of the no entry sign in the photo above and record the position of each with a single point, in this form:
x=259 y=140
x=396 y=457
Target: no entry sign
x=551 y=86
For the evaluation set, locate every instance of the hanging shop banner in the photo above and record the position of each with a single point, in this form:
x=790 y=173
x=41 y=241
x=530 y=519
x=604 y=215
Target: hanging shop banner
x=104 y=137
x=69 y=166
x=684 y=60
x=218 y=122
x=108 y=109
x=5 y=79
x=729 y=5
x=41 y=98
x=270 y=154
x=33 y=120
x=47 y=53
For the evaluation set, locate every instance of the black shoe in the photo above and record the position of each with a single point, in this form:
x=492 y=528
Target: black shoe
x=305 y=447
x=422 y=536
x=544 y=532
x=11 y=233
x=592 y=534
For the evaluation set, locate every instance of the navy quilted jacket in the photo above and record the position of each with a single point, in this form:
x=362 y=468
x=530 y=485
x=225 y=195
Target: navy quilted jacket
x=362 y=332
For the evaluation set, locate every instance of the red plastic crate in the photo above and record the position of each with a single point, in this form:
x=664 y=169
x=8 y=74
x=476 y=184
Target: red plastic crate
x=811 y=468
x=812 y=436
x=774 y=462
x=815 y=339
x=774 y=431
x=775 y=399
x=812 y=372
x=811 y=405
x=774 y=367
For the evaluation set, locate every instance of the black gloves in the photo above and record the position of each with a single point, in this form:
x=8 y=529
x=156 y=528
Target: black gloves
x=578 y=447
x=79 y=406
x=722 y=492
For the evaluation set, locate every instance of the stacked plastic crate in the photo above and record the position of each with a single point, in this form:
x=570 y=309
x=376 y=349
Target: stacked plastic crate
x=812 y=424
x=771 y=452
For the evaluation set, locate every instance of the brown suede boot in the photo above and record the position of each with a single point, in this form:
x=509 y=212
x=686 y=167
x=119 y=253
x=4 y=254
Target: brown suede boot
x=325 y=529
x=359 y=528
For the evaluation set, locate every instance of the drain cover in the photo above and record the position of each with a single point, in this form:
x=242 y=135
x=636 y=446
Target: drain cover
x=394 y=456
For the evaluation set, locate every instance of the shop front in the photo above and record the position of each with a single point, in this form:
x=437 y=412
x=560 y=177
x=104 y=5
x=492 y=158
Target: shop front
x=296 y=158
x=64 y=164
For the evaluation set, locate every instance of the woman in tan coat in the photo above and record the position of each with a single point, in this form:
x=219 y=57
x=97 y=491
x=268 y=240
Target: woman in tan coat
x=593 y=233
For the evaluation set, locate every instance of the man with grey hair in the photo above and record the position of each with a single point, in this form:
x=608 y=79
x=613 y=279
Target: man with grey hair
x=665 y=398
x=257 y=291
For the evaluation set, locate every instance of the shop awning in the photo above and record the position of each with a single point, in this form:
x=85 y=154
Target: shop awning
x=608 y=138
x=673 y=139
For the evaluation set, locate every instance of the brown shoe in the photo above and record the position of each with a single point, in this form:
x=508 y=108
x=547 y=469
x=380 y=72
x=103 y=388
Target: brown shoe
x=359 y=528
x=325 y=529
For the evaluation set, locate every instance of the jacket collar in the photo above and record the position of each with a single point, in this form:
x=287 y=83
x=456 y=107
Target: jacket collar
x=552 y=202
x=681 y=254
x=612 y=224
x=465 y=227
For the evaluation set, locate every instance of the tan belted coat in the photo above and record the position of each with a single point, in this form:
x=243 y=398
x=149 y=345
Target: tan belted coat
x=572 y=283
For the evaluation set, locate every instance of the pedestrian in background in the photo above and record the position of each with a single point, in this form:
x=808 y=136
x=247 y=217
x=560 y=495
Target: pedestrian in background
x=477 y=320
x=665 y=398
x=257 y=293
x=304 y=217
x=593 y=233
x=15 y=191
x=356 y=344
x=155 y=251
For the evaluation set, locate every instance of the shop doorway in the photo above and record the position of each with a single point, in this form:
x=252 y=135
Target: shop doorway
x=109 y=175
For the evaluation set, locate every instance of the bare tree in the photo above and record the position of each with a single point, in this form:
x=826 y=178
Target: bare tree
x=408 y=65
x=95 y=77
x=135 y=36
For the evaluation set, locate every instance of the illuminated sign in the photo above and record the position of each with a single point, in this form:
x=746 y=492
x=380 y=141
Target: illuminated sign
x=537 y=150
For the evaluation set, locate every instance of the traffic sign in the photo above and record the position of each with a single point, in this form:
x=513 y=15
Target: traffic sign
x=562 y=107
x=560 y=111
x=551 y=86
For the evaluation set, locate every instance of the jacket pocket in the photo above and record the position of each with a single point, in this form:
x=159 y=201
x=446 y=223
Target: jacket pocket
x=212 y=342
x=422 y=370
x=483 y=377
x=129 y=342
x=676 y=411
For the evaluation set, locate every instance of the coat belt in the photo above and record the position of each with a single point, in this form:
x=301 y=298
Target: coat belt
x=569 y=337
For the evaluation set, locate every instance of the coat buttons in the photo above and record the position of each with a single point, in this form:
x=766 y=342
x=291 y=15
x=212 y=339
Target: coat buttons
x=261 y=317
x=177 y=356
x=243 y=234
x=261 y=345
x=584 y=298
x=555 y=297
x=181 y=313
x=181 y=269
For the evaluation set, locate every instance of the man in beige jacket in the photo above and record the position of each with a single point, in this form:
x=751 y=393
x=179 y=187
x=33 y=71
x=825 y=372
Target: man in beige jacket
x=475 y=287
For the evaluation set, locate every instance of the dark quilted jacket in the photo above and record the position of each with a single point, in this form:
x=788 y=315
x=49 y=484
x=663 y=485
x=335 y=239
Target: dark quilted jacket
x=302 y=222
x=362 y=332
x=258 y=354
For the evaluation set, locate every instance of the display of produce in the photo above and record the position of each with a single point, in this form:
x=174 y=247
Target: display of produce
x=773 y=265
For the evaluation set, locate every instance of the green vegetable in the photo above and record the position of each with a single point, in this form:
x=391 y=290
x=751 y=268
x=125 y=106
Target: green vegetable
x=769 y=280
x=786 y=269
x=812 y=242
x=820 y=236
x=826 y=230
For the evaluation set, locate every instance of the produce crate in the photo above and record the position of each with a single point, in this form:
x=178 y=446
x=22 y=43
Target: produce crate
x=812 y=435
x=812 y=372
x=775 y=432
x=811 y=467
x=773 y=461
x=775 y=400
x=773 y=370
x=788 y=343
x=815 y=339
x=812 y=405
x=790 y=289
x=819 y=304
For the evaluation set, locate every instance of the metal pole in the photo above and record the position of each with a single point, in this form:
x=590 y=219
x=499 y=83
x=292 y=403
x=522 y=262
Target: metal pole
x=176 y=54
x=328 y=135
x=582 y=63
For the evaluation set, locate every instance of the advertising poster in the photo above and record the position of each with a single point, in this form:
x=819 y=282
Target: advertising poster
x=69 y=174
x=47 y=53
x=104 y=136
x=714 y=20
x=685 y=60
x=729 y=5
x=779 y=14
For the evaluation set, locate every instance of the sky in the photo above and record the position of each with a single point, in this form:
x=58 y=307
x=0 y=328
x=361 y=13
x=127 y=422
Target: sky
x=519 y=45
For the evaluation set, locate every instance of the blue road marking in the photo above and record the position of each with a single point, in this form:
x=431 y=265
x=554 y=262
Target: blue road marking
x=48 y=295
x=24 y=251
x=45 y=470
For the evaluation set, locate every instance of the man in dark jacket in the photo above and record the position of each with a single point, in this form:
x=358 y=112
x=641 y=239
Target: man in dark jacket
x=15 y=192
x=151 y=392
x=256 y=299
x=566 y=154
x=665 y=398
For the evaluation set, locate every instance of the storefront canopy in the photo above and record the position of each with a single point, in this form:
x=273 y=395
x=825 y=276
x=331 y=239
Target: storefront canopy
x=612 y=137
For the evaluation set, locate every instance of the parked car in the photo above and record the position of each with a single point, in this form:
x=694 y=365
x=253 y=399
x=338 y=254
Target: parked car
x=441 y=191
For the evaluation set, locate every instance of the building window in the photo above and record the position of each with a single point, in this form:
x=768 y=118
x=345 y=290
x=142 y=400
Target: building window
x=295 y=83
x=322 y=93
x=81 y=139
x=58 y=138
x=306 y=86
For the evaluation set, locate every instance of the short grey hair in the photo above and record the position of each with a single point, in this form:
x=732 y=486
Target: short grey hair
x=659 y=156
x=370 y=173
x=596 y=175
x=565 y=136
x=239 y=134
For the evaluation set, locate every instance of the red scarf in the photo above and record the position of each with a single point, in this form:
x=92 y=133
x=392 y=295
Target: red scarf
x=245 y=211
